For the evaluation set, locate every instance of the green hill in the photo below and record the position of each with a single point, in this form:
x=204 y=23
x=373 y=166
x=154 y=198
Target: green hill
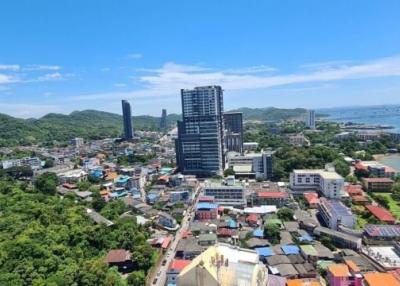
x=271 y=113
x=93 y=124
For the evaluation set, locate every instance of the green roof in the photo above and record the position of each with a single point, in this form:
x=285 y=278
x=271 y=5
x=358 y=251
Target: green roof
x=309 y=250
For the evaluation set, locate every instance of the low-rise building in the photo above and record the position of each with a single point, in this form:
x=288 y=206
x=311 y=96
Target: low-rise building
x=120 y=258
x=380 y=279
x=166 y=220
x=342 y=275
x=227 y=193
x=335 y=213
x=378 y=184
x=381 y=214
x=251 y=165
x=206 y=211
x=174 y=269
x=224 y=264
x=328 y=182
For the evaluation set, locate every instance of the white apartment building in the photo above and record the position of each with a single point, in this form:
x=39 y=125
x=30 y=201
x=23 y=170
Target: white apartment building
x=329 y=183
x=256 y=165
x=226 y=193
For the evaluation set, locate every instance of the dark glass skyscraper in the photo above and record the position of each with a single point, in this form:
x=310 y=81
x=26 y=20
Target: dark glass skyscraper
x=233 y=131
x=200 y=143
x=163 y=121
x=127 y=119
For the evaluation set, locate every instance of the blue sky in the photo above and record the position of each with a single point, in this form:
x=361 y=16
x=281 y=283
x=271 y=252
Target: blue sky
x=60 y=56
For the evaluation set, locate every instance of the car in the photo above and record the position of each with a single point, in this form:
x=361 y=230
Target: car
x=155 y=281
x=164 y=262
x=159 y=273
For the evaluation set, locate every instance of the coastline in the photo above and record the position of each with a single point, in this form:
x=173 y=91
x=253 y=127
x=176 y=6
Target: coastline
x=389 y=159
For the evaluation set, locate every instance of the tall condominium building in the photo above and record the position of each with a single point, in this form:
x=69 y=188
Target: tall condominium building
x=163 y=120
x=233 y=131
x=310 y=119
x=127 y=119
x=200 y=143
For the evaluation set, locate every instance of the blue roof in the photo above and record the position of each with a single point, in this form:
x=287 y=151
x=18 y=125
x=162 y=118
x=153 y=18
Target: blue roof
x=264 y=251
x=231 y=223
x=290 y=249
x=205 y=205
x=152 y=196
x=122 y=179
x=165 y=170
x=258 y=233
x=305 y=237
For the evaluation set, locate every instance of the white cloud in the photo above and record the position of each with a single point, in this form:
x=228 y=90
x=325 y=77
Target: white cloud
x=9 y=67
x=28 y=110
x=171 y=77
x=105 y=69
x=50 y=77
x=135 y=56
x=42 y=68
x=119 y=85
x=251 y=69
x=4 y=79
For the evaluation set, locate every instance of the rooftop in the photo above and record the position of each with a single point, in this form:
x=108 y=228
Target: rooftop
x=179 y=264
x=379 y=279
x=118 y=255
x=381 y=213
x=374 y=230
x=335 y=207
x=378 y=180
x=339 y=270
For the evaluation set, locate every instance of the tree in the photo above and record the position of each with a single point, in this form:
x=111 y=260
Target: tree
x=272 y=233
x=351 y=179
x=137 y=278
x=83 y=185
x=98 y=202
x=229 y=172
x=341 y=167
x=285 y=214
x=47 y=183
x=327 y=241
x=382 y=200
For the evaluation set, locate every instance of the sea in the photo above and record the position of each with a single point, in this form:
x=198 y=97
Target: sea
x=372 y=115
x=388 y=115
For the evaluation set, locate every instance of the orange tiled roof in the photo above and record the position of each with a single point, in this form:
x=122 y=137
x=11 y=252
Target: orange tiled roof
x=353 y=267
x=302 y=282
x=379 y=279
x=339 y=270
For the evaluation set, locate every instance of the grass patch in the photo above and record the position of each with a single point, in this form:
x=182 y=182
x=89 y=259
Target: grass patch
x=394 y=206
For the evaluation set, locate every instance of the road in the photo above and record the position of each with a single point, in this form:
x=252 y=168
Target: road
x=160 y=273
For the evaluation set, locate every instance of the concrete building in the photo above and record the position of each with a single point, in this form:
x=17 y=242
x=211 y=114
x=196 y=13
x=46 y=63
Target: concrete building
x=224 y=264
x=250 y=146
x=163 y=120
x=176 y=266
x=251 y=165
x=127 y=120
x=234 y=131
x=343 y=275
x=200 y=145
x=378 y=184
x=335 y=213
x=227 y=193
x=328 y=182
x=206 y=211
x=298 y=140
x=310 y=119
x=77 y=142
x=166 y=220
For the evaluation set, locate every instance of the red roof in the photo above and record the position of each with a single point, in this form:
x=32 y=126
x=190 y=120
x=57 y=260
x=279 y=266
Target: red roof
x=353 y=189
x=166 y=242
x=359 y=198
x=118 y=255
x=312 y=198
x=279 y=195
x=381 y=213
x=225 y=232
x=179 y=264
x=252 y=218
x=360 y=166
x=378 y=180
x=206 y=199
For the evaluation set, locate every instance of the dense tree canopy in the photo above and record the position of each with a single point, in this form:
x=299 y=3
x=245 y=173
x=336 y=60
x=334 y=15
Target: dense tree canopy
x=49 y=240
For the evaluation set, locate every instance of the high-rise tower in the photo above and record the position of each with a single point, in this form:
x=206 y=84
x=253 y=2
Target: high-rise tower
x=127 y=119
x=200 y=143
x=163 y=120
